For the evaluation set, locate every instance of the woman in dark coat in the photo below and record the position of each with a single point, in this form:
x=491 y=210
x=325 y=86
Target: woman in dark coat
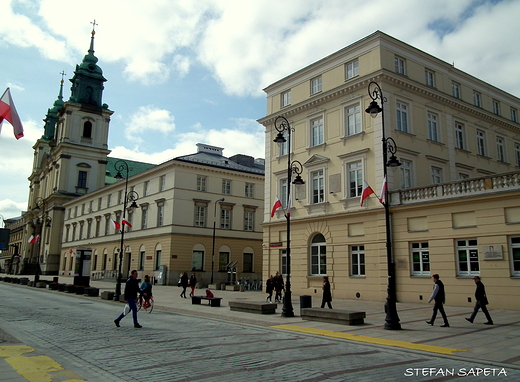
x=327 y=296
x=184 y=284
x=269 y=287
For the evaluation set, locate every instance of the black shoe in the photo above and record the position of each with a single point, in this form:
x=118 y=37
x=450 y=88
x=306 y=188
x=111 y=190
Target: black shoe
x=429 y=323
x=488 y=323
x=445 y=326
x=117 y=323
x=469 y=320
x=137 y=326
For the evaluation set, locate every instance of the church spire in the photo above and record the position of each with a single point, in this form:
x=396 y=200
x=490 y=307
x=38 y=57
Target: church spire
x=52 y=114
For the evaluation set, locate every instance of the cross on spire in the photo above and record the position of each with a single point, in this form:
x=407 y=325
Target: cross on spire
x=62 y=75
x=93 y=26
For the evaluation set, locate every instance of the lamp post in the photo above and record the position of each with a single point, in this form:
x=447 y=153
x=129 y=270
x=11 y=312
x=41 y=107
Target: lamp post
x=40 y=204
x=389 y=146
x=281 y=124
x=213 y=246
x=131 y=196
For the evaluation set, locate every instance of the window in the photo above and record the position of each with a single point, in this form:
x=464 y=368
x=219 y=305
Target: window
x=162 y=183
x=226 y=186
x=514 y=115
x=142 y=257
x=144 y=218
x=433 y=130
x=460 y=136
x=249 y=221
x=455 y=90
x=477 y=99
x=160 y=215
x=467 y=257
x=481 y=143
x=406 y=173
x=318 y=255
x=353 y=120
x=197 y=261
x=285 y=98
x=283 y=193
x=496 y=107
x=201 y=183
x=318 y=187
x=89 y=228
x=247 y=262
x=402 y=117
x=283 y=262
x=223 y=261
x=225 y=218
x=99 y=203
x=109 y=200
x=200 y=215
x=317 y=131
x=501 y=150
x=158 y=255
x=146 y=188
x=357 y=254
x=98 y=226
x=120 y=197
x=355 y=179
x=517 y=154
x=82 y=179
x=107 y=226
x=87 y=129
x=420 y=258
x=400 y=65
x=515 y=255
x=351 y=69
x=249 y=190
x=316 y=85
x=284 y=146
x=429 y=78
x=436 y=175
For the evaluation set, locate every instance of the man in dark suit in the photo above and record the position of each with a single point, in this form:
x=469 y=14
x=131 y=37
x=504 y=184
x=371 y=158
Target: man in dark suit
x=440 y=298
x=481 y=302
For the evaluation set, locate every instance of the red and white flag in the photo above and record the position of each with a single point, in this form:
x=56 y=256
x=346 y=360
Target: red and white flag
x=367 y=191
x=126 y=222
x=382 y=196
x=115 y=224
x=8 y=111
x=288 y=211
x=33 y=239
x=277 y=204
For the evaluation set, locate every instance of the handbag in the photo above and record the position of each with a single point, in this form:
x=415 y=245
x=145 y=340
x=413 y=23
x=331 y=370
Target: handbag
x=484 y=301
x=179 y=283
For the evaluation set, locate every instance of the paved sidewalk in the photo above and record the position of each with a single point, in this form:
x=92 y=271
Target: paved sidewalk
x=497 y=343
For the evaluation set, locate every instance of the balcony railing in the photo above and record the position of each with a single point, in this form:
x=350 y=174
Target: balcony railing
x=466 y=187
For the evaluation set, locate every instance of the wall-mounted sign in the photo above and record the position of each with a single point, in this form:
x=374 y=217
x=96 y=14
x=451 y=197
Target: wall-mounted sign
x=492 y=252
x=277 y=244
x=174 y=256
x=148 y=257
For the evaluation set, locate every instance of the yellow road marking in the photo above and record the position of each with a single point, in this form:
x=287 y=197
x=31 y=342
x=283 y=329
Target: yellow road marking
x=37 y=368
x=370 y=340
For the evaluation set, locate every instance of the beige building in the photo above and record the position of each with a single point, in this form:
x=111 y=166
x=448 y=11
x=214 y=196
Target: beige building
x=452 y=132
x=181 y=204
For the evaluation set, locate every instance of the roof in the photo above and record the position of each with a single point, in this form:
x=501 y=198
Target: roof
x=134 y=168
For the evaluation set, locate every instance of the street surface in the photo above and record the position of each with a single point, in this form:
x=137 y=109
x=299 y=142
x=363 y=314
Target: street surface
x=79 y=335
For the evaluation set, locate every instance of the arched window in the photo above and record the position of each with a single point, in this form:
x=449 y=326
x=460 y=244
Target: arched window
x=87 y=129
x=318 y=255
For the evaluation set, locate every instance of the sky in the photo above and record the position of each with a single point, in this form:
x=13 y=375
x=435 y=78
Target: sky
x=183 y=72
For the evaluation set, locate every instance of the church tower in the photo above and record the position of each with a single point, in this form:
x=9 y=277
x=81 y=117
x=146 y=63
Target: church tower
x=69 y=160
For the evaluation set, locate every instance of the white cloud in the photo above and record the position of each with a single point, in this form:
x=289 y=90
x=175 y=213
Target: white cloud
x=149 y=119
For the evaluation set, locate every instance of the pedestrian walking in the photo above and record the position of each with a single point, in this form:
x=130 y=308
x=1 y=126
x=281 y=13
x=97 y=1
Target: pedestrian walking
x=439 y=296
x=327 y=295
x=131 y=292
x=193 y=283
x=481 y=302
x=146 y=290
x=184 y=284
x=269 y=287
x=278 y=286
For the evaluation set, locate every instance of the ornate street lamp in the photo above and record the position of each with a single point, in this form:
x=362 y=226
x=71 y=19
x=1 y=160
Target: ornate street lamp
x=130 y=197
x=281 y=124
x=45 y=221
x=213 y=247
x=389 y=146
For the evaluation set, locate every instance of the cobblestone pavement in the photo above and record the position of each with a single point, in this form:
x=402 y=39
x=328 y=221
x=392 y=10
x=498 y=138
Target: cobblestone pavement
x=79 y=334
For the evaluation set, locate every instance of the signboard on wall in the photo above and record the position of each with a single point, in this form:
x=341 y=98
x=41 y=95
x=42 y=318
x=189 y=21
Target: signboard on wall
x=492 y=252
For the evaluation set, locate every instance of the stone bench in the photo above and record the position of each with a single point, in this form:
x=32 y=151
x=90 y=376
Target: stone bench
x=336 y=316
x=213 y=301
x=252 y=307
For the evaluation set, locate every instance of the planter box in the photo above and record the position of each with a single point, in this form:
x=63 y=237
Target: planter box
x=106 y=295
x=61 y=287
x=70 y=288
x=41 y=284
x=53 y=286
x=91 y=292
x=24 y=281
x=80 y=289
x=214 y=286
x=233 y=287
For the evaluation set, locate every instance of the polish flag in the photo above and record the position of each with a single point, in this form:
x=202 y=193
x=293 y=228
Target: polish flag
x=115 y=224
x=33 y=239
x=382 y=196
x=8 y=111
x=126 y=222
x=277 y=204
x=288 y=211
x=367 y=191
